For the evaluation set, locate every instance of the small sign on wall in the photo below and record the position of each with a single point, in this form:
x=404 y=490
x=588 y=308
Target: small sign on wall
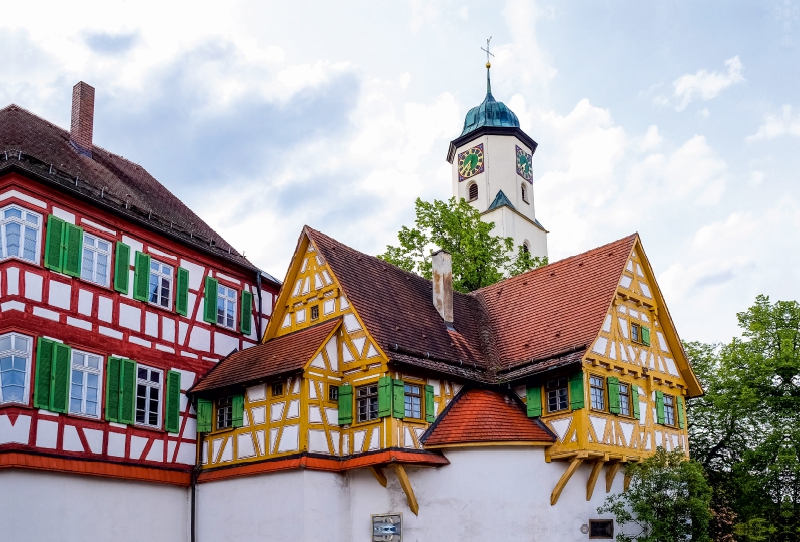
x=387 y=527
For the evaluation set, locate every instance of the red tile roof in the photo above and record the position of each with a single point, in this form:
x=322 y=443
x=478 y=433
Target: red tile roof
x=482 y=415
x=282 y=355
x=36 y=146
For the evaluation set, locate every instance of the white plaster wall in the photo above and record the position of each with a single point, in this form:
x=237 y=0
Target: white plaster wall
x=291 y=506
x=507 y=223
x=45 y=507
x=495 y=493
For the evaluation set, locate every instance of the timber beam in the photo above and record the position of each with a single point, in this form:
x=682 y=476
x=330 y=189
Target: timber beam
x=611 y=474
x=379 y=475
x=405 y=483
x=562 y=482
x=593 y=476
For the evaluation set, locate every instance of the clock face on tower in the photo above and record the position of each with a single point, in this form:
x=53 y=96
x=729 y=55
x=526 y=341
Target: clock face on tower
x=524 y=165
x=470 y=162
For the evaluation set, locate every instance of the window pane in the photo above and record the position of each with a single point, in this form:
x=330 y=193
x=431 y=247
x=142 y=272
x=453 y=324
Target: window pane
x=87 y=270
x=142 y=373
x=30 y=244
x=102 y=269
x=13 y=213
x=33 y=219
x=102 y=245
x=12 y=239
x=20 y=343
x=5 y=343
x=153 y=288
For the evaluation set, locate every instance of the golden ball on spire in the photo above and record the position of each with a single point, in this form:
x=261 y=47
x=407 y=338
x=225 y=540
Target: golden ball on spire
x=488 y=65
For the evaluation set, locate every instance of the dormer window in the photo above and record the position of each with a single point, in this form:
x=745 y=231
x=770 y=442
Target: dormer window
x=473 y=192
x=524 y=190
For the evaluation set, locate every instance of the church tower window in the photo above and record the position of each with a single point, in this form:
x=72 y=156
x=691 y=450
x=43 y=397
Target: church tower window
x=524 y=193
x=526 y=248
x=473 y=192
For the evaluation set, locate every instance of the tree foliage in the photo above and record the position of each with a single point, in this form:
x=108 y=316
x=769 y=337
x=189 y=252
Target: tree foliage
x=745 y=430
x=479 y=258
x=668 y=500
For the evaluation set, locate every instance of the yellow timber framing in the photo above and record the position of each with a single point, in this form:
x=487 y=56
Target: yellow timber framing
x=562 y=482
x=405 y=483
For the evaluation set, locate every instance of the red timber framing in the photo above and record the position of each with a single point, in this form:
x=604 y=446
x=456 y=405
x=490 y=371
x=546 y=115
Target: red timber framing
x=38 y=303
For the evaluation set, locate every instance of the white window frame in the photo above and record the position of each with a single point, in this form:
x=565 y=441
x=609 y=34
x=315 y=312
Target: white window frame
x=96 y=251
x=27 y=354
x=150 y=385
x=226 y=300
x=86 y=370
x=23 y=225
x=161 y=276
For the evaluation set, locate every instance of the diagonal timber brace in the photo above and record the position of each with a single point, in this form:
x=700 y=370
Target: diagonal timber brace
x=593 y=476
x=405 y=483
x=611 y=474
x=573 y=466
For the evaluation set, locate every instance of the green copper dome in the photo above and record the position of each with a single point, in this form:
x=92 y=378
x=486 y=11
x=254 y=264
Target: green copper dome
x=489 y=113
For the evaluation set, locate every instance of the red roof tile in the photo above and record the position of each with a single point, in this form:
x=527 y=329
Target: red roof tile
x=481 y=415
x=278 y=356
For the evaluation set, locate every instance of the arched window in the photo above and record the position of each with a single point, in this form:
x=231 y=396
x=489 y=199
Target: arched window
x=473 y=192
x=524 y=193
x=526 y=248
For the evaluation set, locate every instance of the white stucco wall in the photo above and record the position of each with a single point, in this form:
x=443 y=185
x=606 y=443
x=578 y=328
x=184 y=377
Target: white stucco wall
x=44 y=507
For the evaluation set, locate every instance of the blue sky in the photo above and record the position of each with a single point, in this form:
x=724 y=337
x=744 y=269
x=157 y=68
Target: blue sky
x=679 y=120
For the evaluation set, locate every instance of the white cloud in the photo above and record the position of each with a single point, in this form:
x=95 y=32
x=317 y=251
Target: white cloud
x=702 y=85
x=775 y=126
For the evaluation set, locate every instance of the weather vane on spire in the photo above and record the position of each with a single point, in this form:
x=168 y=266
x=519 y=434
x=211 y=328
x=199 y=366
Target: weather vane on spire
x=488 y=54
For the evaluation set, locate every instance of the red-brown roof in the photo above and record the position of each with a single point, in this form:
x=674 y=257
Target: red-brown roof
x=556 y=309
x=482 y=415
x=278 y=356
x=35 y=145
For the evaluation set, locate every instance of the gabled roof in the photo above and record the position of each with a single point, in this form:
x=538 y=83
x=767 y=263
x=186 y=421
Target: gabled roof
x=500 y=200
x=36 y=146
x=278 y=356
x=482 y=415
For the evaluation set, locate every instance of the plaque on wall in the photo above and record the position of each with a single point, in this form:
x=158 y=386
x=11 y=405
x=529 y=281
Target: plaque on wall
x=387 y=527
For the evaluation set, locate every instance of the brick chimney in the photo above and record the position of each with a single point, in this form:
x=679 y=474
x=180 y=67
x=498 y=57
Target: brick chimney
x=443 y=285
x=80 y=133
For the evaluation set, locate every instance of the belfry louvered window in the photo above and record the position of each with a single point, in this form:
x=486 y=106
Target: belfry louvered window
x=473 y=191
x=19 y=234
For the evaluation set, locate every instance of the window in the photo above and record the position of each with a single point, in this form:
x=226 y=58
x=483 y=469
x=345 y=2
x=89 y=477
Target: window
x=524 y=193
x=526 y=248
x=473 y=192
x=413 y=401
x=19 y=234
x=277 y=389
x=333 y=393
x=601 y=528
x=315 y=312
x=224 y=412
x=226 y=306
x=367 y=402
x=15 y=351
x=669 y=409
x=597 y=392
x=557 y=397
x=96 y=255
x=636 y=333
x=148 y=396
x=160 y=284
x=84 y=395
x=624 y=399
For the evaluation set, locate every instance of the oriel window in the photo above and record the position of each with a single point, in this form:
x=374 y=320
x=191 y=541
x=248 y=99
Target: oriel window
x=557 y=395
x=413 y=401
x=597 y=390
x=367 y=402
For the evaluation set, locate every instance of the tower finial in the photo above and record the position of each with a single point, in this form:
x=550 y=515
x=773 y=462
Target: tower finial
x=488 y=66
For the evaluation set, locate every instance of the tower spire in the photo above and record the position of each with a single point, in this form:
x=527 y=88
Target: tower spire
x=488 y=66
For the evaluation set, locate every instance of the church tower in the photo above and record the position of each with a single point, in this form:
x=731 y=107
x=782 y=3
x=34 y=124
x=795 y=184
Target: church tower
x=491 y=162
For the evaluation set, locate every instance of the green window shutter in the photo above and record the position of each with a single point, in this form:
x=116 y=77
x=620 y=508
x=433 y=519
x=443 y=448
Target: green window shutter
x=534 y=401
x=210 y=312
x=613 y=394
x=141 y=277
x=345 y=405
x=182 y=292
x=112 y=389
x=430 y=405
x=385 y=396
x=127 y=391
x=53 y=243
x=172 y=408
x=660 y=407
x=246 y=318
x=62 y=363
x=204 y=409
x=237 y=406
x=122 y=264
x=635 y=400
x=398 y=399
x=73 y=250
x=681 y=414
x=44 y=371
x=646 y=336
x=576 y=395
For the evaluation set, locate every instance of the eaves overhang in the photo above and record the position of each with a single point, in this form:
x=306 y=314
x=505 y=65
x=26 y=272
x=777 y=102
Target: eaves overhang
x=490 y=130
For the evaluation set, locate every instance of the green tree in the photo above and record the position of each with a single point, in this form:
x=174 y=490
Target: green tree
x=479 y=258
x=667 y=500
x=745 y=430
